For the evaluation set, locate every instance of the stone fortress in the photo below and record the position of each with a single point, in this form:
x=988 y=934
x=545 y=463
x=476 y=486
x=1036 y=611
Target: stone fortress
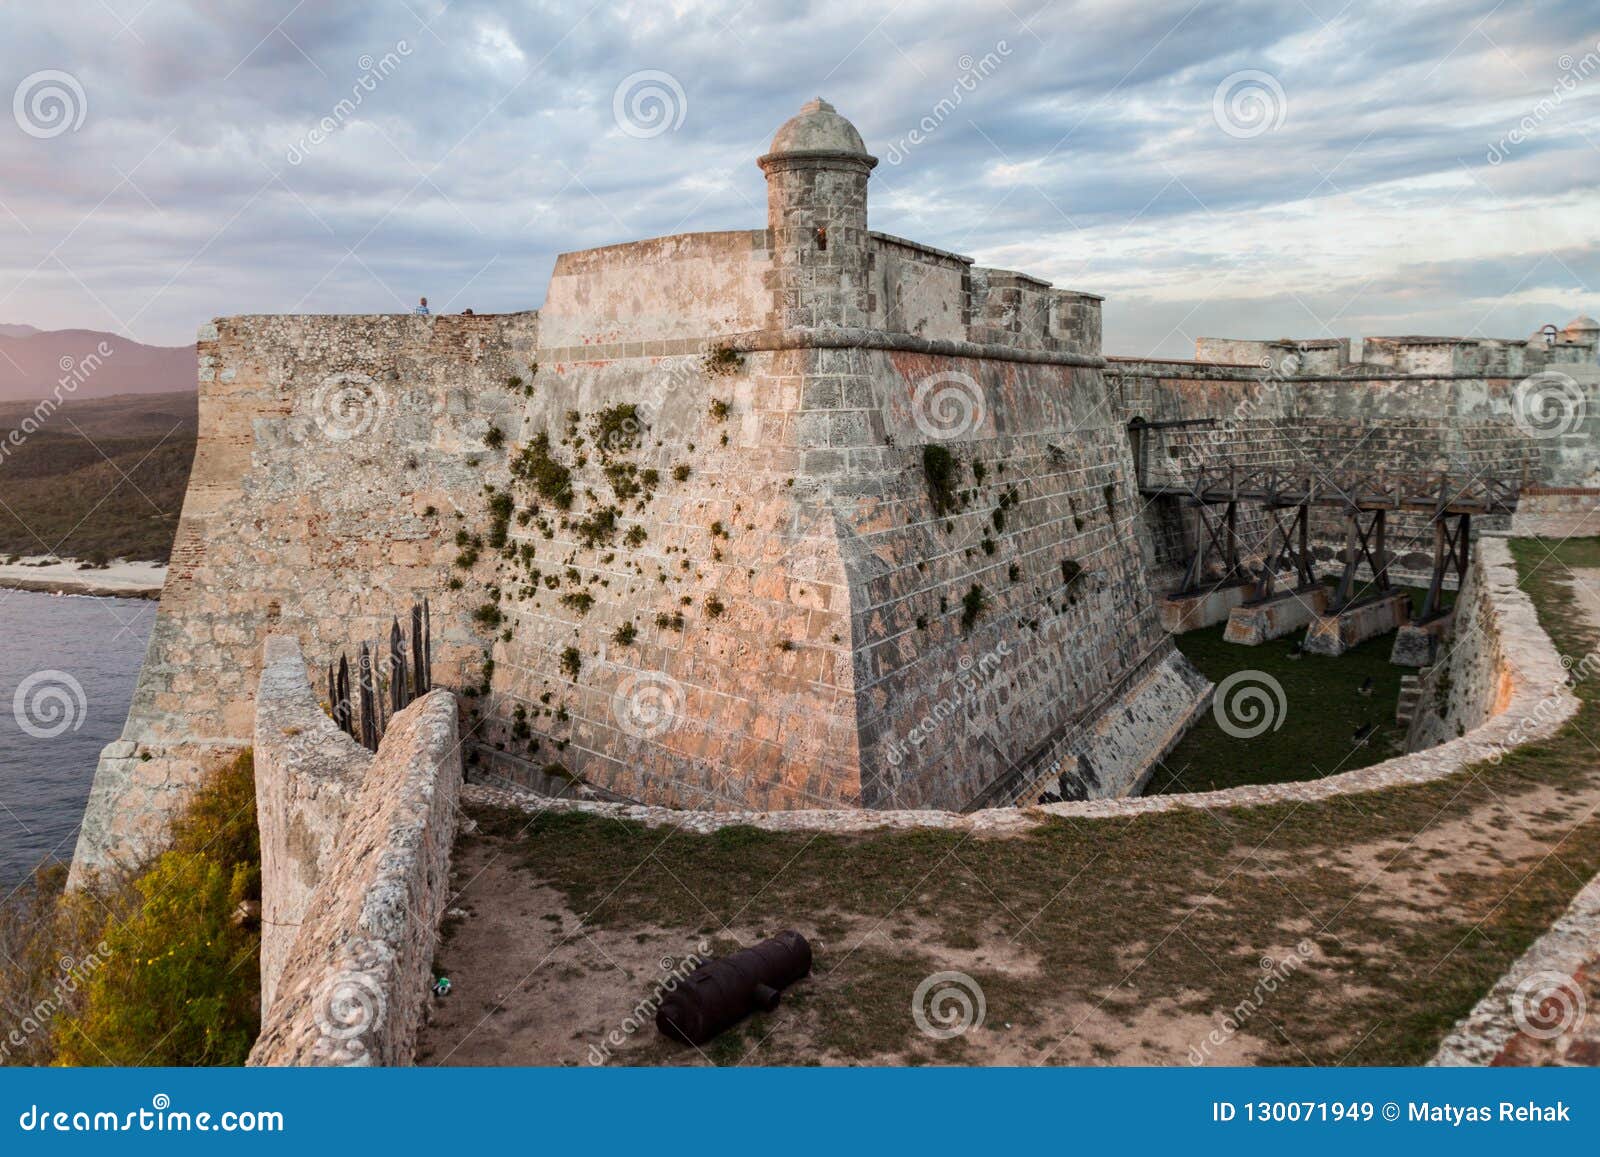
x=727 y=519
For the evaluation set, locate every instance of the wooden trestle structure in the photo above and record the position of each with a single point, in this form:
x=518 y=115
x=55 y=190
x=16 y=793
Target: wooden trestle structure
x=1365 y=497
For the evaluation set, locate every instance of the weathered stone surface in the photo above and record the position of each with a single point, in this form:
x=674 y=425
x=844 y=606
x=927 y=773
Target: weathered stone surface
x=1254 y=623
x=1205 y=608
x=1526 y=699
x=308 y=774
x=1336 y=632
x=354 y=982
x=1417 y=644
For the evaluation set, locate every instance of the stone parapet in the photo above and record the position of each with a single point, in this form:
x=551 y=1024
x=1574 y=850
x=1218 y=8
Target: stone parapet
x=351 y=987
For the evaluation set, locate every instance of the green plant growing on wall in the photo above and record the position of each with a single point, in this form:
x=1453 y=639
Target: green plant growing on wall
x=973 y=604
x=501 y=505
x=571 y=662
x=714 y=607
x=537 y=466
x=616 y=429
x=494 y=437
x=720 y=361
x=940 y=468
x=579 y=601
x=599 y=527
x=625 y=634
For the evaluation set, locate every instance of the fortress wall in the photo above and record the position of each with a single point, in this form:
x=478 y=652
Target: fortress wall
x=687 y=286
x=1532 y=701
x=1251 y=428
x=1401 y=423
x=352 y=986
x=1471 y=680
x=323 y=443
x=951 y=709
x=919 y=290
x=744 y=697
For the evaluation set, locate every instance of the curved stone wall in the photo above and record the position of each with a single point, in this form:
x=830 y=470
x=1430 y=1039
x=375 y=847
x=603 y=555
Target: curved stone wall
x=1523 y=691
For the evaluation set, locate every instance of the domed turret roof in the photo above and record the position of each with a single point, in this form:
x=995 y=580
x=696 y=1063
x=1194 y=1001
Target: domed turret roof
x=817 y=128
x=1583 y=323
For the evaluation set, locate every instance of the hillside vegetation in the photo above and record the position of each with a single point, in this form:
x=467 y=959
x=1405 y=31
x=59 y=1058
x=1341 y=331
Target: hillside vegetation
x=98 y=479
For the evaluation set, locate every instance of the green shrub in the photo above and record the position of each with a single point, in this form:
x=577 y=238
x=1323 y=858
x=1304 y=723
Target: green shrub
x=180 y=981
x=537 y=466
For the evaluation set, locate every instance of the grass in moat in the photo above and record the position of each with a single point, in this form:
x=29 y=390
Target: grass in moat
x=1416 y=900
x=1333 y=714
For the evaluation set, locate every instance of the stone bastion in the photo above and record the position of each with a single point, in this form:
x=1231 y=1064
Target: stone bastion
x=716 y=527
x=732 y=516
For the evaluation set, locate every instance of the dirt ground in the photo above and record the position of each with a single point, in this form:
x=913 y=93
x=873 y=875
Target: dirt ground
x=1352 y=931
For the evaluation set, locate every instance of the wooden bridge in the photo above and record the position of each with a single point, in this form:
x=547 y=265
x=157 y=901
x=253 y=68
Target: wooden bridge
x=1364 y=497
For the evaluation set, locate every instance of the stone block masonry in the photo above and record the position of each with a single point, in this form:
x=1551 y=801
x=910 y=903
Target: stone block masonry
x=350 y=985
x=308 y=777
x=799 y=516
x=337 y=459
x=1518 y=694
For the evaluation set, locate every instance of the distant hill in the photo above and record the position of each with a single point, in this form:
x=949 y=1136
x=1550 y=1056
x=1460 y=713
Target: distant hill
x=31 y=364
x=100 y=478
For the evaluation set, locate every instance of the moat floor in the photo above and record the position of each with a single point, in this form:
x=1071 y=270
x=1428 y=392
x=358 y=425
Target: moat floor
x=1337 y=714
x=1354 y=930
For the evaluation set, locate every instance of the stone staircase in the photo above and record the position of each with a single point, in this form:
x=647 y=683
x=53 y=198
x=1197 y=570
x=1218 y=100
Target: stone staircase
x=1410 y=694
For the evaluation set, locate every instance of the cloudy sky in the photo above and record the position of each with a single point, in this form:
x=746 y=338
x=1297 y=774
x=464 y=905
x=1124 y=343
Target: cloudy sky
x=1287 y=167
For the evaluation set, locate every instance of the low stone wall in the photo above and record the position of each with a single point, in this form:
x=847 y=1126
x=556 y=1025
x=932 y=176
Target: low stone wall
x=1557 y=512
x=1466 y=683
x=1541 y=1011
x=350 y=986
x=308 y=774
x=1531 y=702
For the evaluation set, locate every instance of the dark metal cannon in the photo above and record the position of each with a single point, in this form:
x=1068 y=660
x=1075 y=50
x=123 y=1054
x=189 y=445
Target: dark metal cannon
x=722 y=991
